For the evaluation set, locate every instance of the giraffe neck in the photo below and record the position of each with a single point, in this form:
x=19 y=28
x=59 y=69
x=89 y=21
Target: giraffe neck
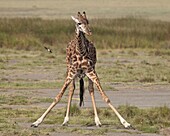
x=82 y=44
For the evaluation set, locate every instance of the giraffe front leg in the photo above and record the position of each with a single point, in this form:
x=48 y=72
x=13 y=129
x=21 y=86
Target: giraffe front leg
x=71 y=92
x=56 y=100
x=93 y=76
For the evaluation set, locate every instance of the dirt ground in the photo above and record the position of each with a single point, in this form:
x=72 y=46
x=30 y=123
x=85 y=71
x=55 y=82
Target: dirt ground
x=134 y=94
x=143 y=96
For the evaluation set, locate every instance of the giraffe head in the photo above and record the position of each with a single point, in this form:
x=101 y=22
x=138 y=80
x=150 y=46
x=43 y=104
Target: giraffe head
x=82 y=24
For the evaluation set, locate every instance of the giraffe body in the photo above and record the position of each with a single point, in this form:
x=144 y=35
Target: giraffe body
x=81 y=60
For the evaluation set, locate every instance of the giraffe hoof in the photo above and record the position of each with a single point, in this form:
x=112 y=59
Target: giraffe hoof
x=64 y=124
x=66 y=120
x=125 y=123
x=34 y=126
x=36 y=123
x=97 y=121
x=131 y=127
x=99 y=125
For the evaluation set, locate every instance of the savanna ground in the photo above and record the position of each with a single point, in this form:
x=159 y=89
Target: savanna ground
x=133 y=54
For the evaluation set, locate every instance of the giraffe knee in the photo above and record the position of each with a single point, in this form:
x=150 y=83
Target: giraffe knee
x=90 y=88
x=107 y=100
x=91 y=91
x=55 y=100
x=71 y=92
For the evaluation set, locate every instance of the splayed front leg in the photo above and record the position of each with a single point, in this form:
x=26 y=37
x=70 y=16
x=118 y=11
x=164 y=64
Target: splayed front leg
x=57 y=99
x=40 y=120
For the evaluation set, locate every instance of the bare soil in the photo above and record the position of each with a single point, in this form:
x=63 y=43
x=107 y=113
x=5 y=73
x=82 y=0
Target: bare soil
x=142 y=96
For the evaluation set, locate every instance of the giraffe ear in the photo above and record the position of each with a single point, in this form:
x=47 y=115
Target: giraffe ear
x=75 y=19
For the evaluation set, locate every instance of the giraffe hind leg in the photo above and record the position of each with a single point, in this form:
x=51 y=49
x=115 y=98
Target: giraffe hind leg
x=93 y=76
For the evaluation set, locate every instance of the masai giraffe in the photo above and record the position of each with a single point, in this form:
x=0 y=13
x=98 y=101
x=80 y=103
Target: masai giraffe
x=81 y=60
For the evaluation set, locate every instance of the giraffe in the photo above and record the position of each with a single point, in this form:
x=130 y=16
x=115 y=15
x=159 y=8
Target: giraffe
x=81 y=60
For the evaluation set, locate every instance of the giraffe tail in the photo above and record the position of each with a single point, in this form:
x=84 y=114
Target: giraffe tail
x=81 y=92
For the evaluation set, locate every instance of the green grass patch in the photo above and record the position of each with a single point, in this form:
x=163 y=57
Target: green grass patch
x=33 y=69
x=147 y=120
x=14 y=100
x=17 y=100
x=30 y=85
x=24 y=100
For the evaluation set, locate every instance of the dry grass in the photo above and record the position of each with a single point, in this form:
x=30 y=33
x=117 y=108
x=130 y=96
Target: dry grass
x=17 y=121
x=31 y=34
x=34 y=69
x=118 y=65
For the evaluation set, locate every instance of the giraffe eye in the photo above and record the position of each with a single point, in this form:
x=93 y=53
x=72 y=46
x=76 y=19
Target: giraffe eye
x=79 y=23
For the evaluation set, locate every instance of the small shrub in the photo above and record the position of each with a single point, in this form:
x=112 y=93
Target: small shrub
x=128 y=111
x=147 y=80
x=106 y=113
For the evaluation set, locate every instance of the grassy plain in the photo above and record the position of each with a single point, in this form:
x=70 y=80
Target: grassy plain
x=39 y=69
x=31 y=34
x=17 y=121
x=21 y=69
x=130 y=51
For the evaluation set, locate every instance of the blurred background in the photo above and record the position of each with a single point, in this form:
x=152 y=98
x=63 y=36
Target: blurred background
x=53 y=9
